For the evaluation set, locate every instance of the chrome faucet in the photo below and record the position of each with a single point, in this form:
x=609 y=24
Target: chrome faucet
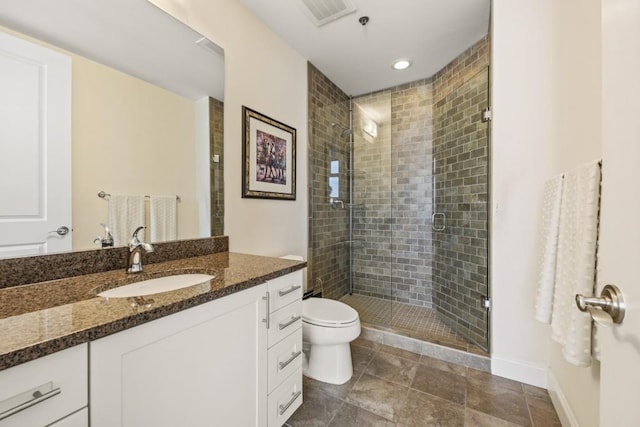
x=136 y=246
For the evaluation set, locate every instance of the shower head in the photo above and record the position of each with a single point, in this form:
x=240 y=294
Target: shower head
x=346 y=132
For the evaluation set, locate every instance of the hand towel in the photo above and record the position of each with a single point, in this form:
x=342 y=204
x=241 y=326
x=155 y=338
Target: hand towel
x=576 y=262
x=126 y=213
x=549 y=248
x=163 y=215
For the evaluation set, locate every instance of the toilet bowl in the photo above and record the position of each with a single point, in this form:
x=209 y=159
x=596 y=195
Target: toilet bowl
x=328 y=327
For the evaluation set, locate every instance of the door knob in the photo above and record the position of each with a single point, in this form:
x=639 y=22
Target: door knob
x=606 y=309
x=61 y=231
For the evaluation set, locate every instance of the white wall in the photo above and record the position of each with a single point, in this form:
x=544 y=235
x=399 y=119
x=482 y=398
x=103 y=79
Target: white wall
x=577 y=130
x=521 y=149
x=547 y=119
x=265 y=74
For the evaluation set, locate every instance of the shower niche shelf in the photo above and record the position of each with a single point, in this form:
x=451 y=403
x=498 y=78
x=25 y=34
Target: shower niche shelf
x=354 y=205
x=355 y=244
x=356 y=173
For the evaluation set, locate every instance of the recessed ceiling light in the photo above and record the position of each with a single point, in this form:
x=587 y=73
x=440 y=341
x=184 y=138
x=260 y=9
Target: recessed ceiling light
x=401 y=64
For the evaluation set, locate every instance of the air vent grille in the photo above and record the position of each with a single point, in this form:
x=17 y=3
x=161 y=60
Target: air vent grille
x=324 y=11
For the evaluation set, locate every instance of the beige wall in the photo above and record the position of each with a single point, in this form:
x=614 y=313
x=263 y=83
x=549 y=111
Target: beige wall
x=265 y=74
x=577 y=130
x=129 y=137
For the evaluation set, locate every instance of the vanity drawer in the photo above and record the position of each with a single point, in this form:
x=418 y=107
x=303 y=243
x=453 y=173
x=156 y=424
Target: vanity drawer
x=79 y=419
x=285 y=399
x=284 y=290
x=284 y=321
x=285 y=358
x=48 y=388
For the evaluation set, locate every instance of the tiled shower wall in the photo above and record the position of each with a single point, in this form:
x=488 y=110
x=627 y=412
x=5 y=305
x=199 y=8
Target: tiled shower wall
x=397 y=255
x=393 y=181
x=461 y=192
x=216 y=143
x=329 y=233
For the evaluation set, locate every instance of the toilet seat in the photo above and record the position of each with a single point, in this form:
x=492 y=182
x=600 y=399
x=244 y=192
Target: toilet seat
x=328 y=313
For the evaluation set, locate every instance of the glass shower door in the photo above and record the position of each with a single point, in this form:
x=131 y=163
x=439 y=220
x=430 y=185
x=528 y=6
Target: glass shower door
x=460 y=220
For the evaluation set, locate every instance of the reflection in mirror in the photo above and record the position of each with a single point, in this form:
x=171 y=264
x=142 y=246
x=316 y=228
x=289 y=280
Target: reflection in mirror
x=133 y=97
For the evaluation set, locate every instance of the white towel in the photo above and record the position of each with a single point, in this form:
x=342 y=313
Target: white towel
x=162 y=213
x=576 y=262
x=549 y=248
x=126 y=213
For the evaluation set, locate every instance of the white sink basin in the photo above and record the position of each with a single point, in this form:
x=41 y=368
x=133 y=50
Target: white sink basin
x=154 y=286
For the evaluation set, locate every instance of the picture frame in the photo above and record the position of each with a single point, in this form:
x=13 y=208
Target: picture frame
x=268 y=157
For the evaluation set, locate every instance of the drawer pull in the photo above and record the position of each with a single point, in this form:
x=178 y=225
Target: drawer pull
x=288 y=323
x=294 y=396
x=34 y=396
x=293 y=357
x=288 y=291
x=267 y=319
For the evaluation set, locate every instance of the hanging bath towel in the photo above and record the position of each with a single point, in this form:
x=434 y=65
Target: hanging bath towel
x=126 y=213
x=576 y=262
x=549 y=248
x=163 y=217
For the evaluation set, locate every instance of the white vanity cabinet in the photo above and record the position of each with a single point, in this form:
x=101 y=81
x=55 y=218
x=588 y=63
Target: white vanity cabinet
x=200 y=367
x=228 y=362
x=285 y=347
x=43 y=391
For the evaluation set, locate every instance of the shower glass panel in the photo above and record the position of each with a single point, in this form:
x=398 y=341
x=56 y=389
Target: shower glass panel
x=371 y=210
x=460 y=236
x=329 y=233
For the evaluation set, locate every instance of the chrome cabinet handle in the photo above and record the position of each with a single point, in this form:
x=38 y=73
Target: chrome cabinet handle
x=293 y=357
x=61 y=231
x=433 y=221
x=267 y=320
x=294 y=396
x=288 y=291
x=35 y=396
x=293 y=320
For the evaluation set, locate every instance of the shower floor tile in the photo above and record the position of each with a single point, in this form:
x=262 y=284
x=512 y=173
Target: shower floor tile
x=416 y=322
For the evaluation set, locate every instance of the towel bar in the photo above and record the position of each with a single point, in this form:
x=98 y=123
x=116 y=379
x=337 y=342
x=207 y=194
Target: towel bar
x=104 y=195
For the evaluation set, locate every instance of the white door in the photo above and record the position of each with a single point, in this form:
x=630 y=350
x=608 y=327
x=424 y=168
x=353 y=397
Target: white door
x=620 y=216
x=35 y=148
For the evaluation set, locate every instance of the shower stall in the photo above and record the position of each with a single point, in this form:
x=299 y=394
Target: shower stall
x=398 y=185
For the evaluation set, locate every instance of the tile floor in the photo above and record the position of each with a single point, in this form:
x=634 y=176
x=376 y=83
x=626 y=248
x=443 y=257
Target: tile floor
x=409 y=320
x=393 y=387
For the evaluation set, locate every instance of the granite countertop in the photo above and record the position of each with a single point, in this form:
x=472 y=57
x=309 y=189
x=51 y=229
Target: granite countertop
x=42 y=318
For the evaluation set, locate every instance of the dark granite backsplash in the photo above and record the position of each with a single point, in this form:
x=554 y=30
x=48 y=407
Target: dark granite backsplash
x=33 y=269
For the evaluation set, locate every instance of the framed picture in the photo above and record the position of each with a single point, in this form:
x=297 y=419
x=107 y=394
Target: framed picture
x=269 y=157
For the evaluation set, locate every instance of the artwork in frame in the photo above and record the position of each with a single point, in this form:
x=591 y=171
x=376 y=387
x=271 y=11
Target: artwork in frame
x=269 y=157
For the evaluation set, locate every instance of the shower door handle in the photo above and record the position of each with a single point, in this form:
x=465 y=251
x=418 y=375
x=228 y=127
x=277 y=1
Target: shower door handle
x=433 y=221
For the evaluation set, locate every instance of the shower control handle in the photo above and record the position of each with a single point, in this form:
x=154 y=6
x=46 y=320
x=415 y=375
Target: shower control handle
x=434 y=227
x=335 y=202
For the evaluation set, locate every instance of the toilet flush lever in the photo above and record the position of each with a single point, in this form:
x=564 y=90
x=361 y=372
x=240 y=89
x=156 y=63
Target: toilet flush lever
x=606 y=309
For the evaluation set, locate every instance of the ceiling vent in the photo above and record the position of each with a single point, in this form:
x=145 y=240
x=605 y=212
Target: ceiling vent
x=324 y=11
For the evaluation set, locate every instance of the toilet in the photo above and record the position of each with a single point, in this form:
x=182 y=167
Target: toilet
x=328 y=326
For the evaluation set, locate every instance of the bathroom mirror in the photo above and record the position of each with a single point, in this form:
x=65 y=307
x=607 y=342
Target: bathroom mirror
x=147 y=101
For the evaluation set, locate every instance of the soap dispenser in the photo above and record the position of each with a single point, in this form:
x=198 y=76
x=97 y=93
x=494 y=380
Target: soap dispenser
x=106 y=240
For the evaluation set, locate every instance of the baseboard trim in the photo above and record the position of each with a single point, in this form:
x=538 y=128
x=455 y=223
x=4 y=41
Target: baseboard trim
x=560 y=402
x=518 y=370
